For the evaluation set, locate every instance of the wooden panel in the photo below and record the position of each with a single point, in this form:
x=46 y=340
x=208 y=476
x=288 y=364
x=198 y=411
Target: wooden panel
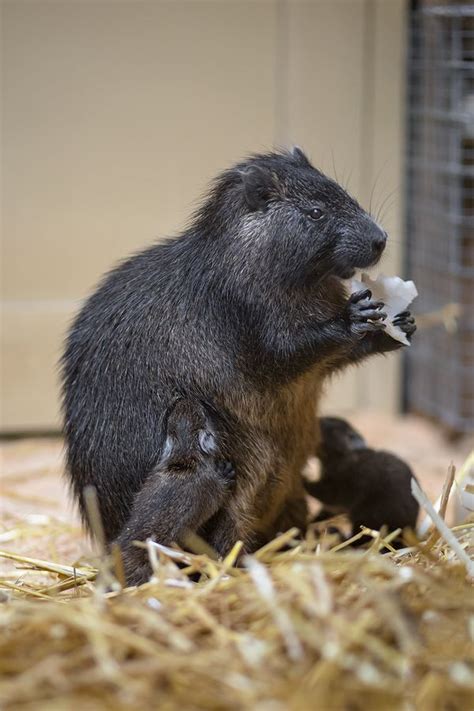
x=325 y=84
x=31 y=347
x=116 y=114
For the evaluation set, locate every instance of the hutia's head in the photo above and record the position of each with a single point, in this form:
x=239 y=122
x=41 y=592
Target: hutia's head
x=307 y=224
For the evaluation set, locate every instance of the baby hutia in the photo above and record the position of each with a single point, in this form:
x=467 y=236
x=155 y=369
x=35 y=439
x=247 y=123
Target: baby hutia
x=396 y=294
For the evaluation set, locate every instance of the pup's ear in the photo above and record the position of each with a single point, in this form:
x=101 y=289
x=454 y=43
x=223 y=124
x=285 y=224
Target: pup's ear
x=207 y=442
x=300 y=158
x=260 y=186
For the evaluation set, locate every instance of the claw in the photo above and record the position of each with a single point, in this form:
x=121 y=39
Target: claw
x=372 y=305
x=360 y=296
x=397 y=321
x=402 y=314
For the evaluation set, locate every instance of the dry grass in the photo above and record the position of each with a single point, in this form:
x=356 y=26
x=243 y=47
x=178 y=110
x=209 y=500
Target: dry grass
x=300 y=625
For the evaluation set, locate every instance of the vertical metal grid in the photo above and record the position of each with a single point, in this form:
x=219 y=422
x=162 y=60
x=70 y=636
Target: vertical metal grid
x=440 y=208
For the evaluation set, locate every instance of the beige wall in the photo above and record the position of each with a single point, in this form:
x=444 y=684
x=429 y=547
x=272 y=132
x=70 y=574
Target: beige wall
x=117 y=113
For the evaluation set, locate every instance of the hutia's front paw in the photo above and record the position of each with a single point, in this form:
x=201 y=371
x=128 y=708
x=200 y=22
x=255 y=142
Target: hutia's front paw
x=406 y=323
x=364 y=315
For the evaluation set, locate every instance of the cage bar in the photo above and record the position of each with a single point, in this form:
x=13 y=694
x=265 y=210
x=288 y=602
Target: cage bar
x=440 y=208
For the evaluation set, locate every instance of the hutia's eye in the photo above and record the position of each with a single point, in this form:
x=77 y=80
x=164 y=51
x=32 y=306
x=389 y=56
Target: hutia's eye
x=315 y=213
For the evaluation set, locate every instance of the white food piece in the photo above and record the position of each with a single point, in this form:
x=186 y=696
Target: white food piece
x=396 y=294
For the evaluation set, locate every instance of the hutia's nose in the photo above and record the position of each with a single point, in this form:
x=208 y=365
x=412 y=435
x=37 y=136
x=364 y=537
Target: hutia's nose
x=379 y=240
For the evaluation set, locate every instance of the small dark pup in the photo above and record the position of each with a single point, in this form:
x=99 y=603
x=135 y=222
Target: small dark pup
x=372 y=487
x=186 y=488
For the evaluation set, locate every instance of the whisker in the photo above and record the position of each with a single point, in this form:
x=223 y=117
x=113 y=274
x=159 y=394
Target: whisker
x=379 y=173
x=384 y=202
x=334 y=166
x=387 y=210
x=346 y=185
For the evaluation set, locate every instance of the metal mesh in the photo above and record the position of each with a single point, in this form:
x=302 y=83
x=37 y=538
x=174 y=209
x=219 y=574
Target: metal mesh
x=440 y=208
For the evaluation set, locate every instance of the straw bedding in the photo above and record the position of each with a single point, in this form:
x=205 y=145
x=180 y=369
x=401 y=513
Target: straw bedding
x=311 y=624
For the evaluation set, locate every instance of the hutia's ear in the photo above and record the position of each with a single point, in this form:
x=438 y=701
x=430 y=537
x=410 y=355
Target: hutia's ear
x=260 y=185
x=300 y=157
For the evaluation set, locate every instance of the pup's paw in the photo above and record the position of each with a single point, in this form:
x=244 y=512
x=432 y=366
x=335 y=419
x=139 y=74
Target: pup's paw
x=136 y=566
x=226 y=471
